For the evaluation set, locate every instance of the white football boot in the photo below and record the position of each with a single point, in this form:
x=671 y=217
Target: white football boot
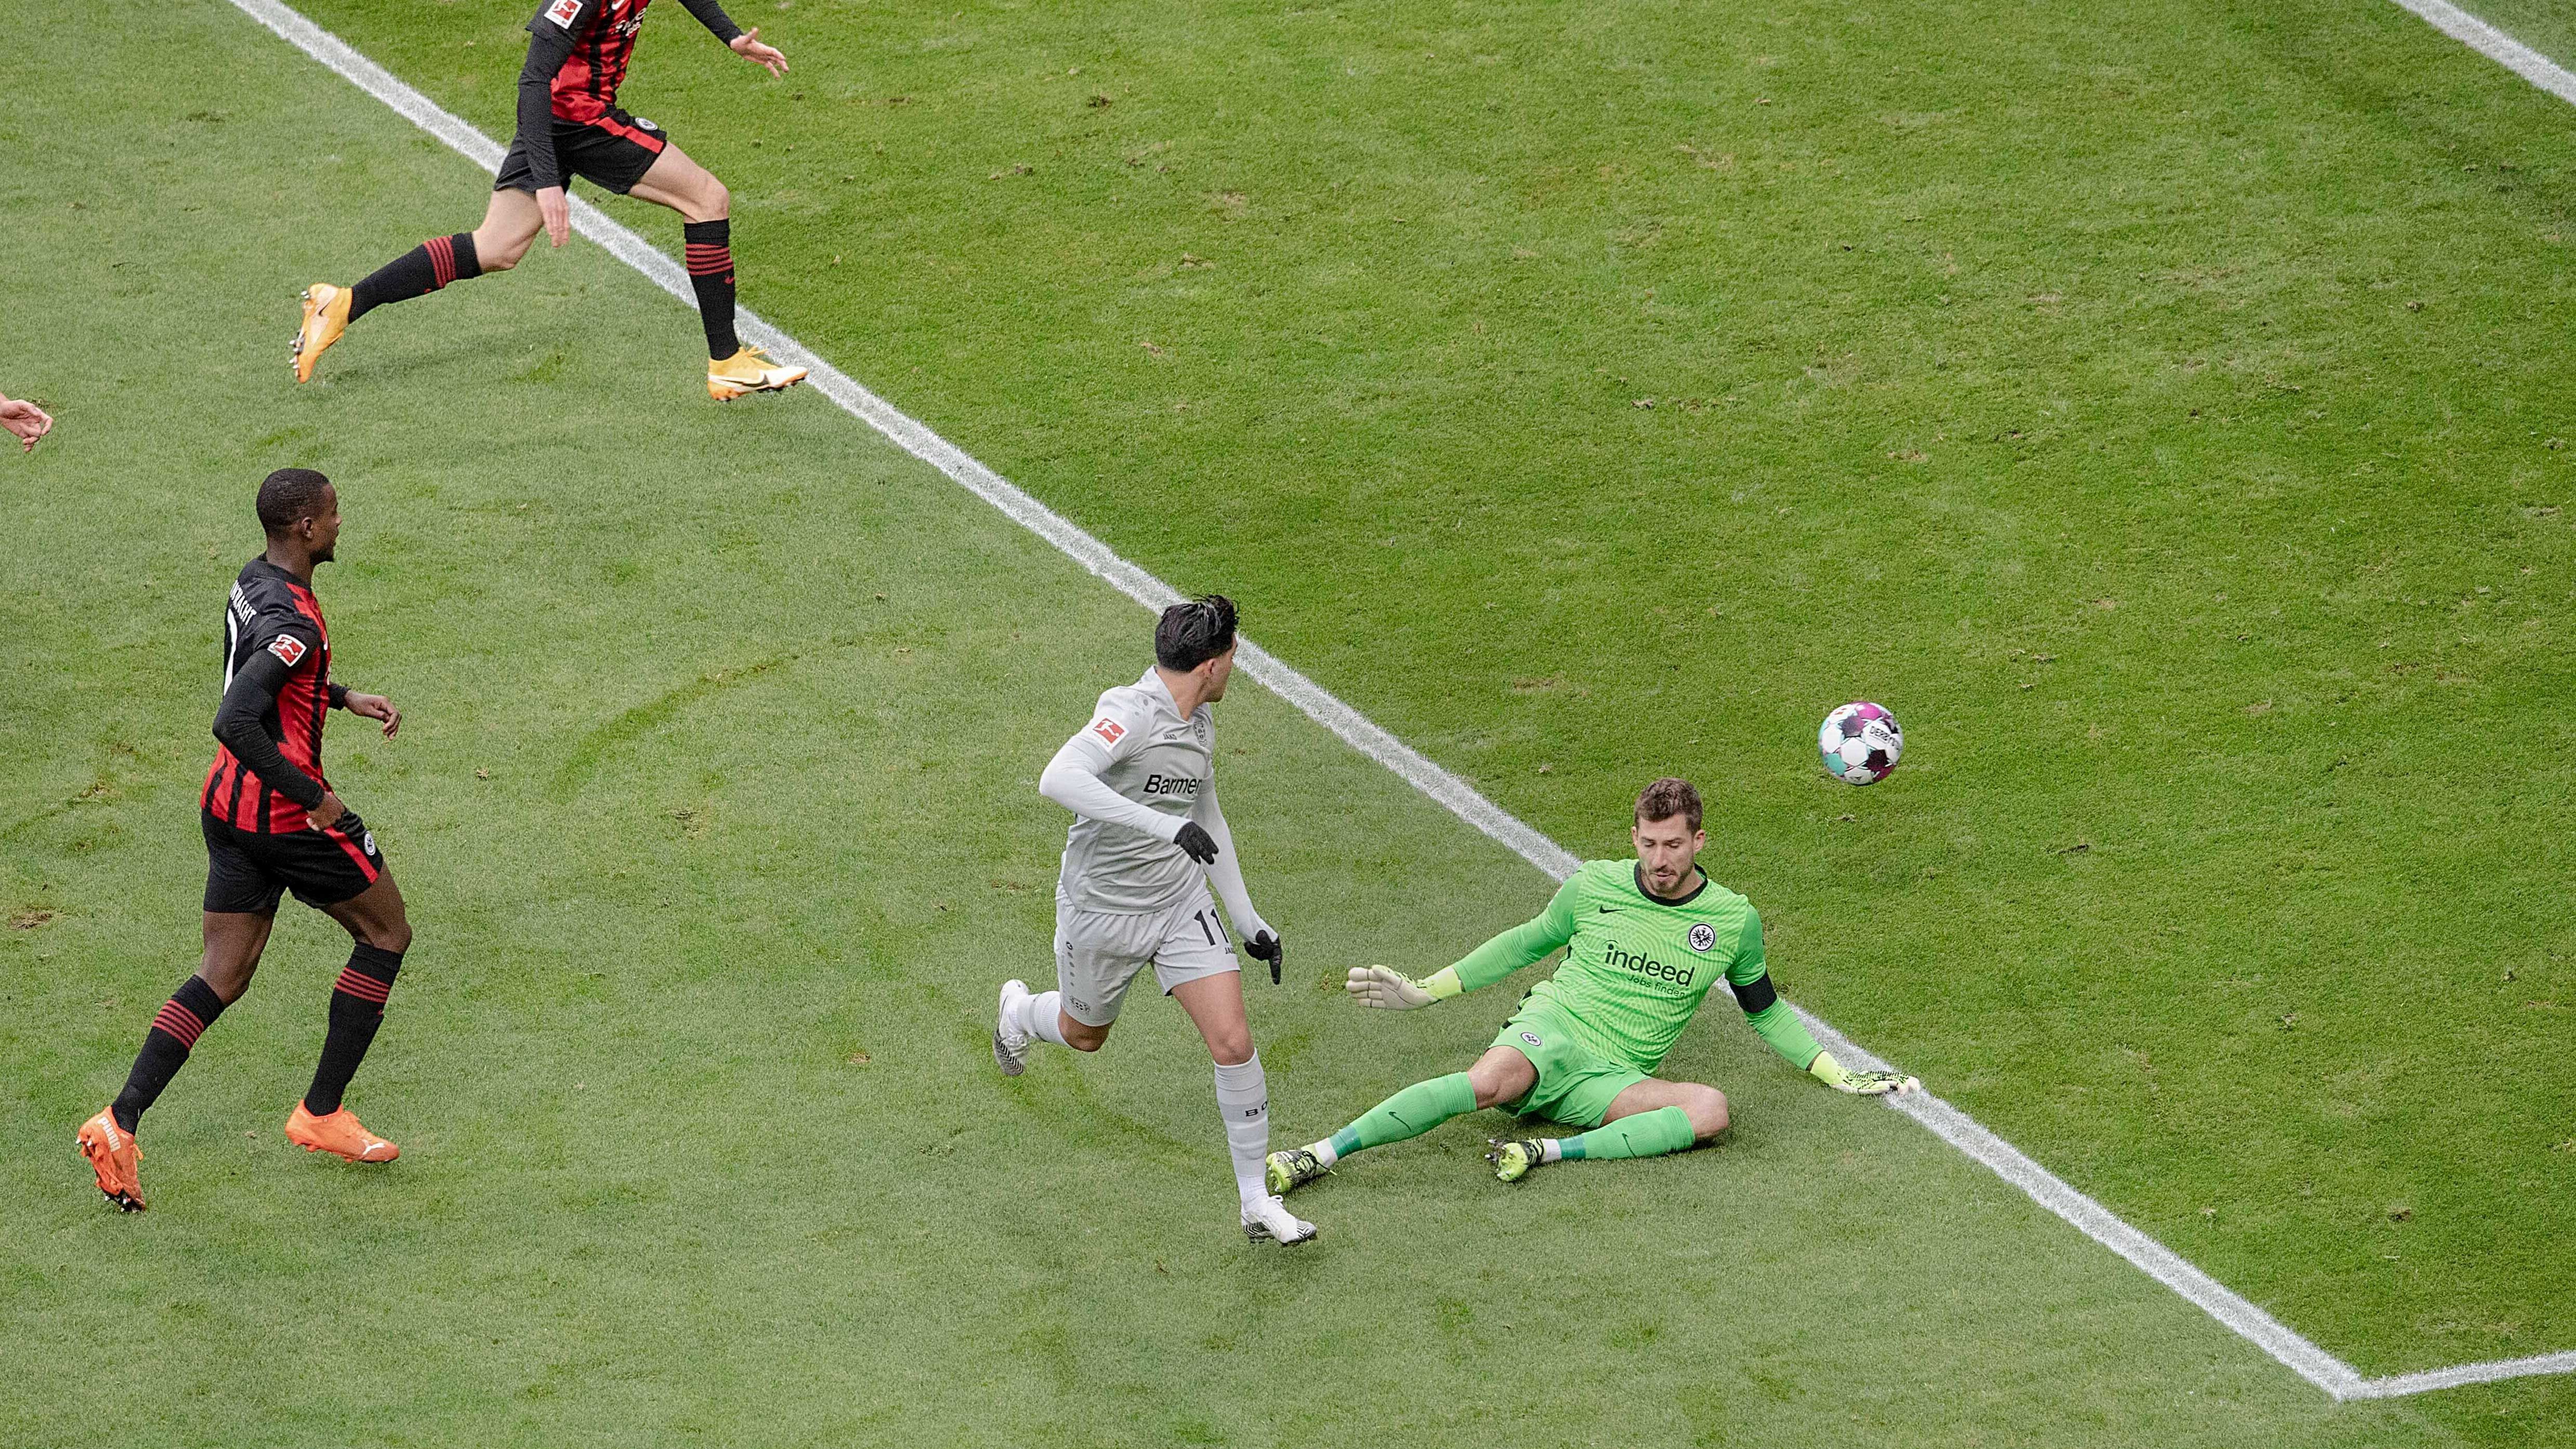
x=1010 y=1044
x=1268 y=1220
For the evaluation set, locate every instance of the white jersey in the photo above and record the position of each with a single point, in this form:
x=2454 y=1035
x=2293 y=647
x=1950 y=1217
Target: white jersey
x=1119 y=855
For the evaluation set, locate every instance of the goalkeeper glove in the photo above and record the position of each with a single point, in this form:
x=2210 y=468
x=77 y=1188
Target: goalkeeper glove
x=1265 y=945
x=1866 y=1084
x=1391 y=990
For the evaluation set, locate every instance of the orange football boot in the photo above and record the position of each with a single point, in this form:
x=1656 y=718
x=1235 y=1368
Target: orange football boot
x=749 y=371
x=114 y=1157
x=341 y=1134
x=326 y=316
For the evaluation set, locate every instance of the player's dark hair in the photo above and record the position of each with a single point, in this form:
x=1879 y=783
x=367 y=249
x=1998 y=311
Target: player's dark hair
x=1189 y=635
x=1668 y=797
x=287 y=495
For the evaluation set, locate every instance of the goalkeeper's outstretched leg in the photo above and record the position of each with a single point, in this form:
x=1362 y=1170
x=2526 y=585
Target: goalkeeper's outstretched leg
x=1650 y=1119
x=1501 y=1076
x=1647 y=1117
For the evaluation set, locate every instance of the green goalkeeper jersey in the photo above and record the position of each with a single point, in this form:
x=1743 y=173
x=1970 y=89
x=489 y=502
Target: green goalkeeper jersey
x=1637 y=966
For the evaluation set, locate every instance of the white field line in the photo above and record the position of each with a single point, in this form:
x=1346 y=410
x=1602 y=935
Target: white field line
x=2397 y=1386
x=2556 y=79
x=2501 y=48
x=1462 y=799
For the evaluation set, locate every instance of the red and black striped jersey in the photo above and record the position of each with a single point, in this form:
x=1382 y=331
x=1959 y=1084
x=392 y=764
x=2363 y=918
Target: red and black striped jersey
x=603 y=39
x=273 y=611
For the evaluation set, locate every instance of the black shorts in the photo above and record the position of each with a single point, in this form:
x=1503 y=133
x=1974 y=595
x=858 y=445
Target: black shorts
x=246 y=871
x=613 y=152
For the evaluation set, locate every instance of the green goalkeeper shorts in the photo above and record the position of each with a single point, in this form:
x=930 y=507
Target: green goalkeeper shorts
x=1574 y=1086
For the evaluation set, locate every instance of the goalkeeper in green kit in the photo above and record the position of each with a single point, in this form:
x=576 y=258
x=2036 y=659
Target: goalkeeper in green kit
x=1644 y=941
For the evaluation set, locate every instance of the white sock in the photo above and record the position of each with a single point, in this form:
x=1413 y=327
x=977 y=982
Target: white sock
x=1038 y=1018
x=1324 y=1152
x=1551 y=1149
x=1243 y=1099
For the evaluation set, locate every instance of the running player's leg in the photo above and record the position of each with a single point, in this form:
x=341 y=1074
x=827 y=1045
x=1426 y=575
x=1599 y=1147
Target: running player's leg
x=1214 y=1001
x=510 y=227
x=1503 y=1075
x=430 y=266
x=706 y=230
x=233 y=942
x=240 y=906
x=380 y=931
x=495 y=246
x=1096 y=955
x=1194 y=962
x=1215 y=1005
x=1082 y=1036
x=1027 y=1018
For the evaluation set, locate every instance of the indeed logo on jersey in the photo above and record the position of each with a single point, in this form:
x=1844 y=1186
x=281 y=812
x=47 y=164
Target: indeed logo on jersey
x=1648 y=966
x=1182 y=787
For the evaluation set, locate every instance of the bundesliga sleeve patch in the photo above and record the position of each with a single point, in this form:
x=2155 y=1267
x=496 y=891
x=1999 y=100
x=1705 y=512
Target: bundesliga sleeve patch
x=1109 y=729
x=288 y=649
x=564 y=12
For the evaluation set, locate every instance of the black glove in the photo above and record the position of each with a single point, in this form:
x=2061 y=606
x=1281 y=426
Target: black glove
x=1268 y=947
x=1195 y=843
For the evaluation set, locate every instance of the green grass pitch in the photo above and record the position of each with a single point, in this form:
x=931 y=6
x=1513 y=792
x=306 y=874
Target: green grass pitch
x=2159 y=406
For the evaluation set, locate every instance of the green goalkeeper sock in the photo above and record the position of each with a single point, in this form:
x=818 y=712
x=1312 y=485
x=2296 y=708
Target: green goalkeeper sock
x=1648 y=1134
x=1409 y=1113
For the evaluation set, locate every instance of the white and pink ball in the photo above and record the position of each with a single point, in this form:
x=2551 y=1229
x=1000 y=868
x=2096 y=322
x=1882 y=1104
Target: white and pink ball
x=1861 y=743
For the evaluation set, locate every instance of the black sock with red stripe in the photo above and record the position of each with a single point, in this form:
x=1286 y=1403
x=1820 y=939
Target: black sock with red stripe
x=417 y=273
x=183 y=1018
x=357 y=1009
x=710 y=247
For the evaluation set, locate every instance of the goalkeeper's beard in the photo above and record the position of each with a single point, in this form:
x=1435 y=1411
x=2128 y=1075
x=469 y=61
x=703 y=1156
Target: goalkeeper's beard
x=1667 y=882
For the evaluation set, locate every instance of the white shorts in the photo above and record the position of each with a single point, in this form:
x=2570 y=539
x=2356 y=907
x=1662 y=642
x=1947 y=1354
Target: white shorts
x=1097 y=953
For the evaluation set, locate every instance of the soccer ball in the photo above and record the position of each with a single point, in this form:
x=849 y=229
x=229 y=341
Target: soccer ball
x=1860 y=742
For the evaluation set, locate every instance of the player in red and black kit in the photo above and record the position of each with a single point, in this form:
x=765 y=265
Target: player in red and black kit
x=272 y=824
x=569 y=125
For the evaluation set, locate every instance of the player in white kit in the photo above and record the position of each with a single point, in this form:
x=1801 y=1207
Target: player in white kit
x=1147 y=839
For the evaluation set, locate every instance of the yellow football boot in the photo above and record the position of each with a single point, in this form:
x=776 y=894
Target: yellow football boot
x=326 y=316
x=748 y=371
